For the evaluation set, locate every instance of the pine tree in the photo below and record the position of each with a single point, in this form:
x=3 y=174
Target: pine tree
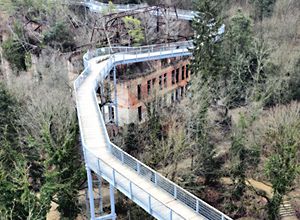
x=206 y=54
x=130 y=140
x=206 y=64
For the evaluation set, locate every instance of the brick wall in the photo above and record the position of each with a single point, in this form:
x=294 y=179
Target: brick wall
x=127 y=90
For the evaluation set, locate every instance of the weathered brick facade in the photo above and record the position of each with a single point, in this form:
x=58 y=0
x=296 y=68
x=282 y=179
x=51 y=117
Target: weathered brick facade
x=166 y=84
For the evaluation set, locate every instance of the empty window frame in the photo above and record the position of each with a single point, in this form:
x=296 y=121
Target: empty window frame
x=140 y=116
x=153 y=82
x=183 y=73
x=111 y=113
x=160 y=83
x=139 y=91
x=177 y=75
x=173 y=77
x=165 y=80
x=176 y=94
x=149 y=87
x=187 y=71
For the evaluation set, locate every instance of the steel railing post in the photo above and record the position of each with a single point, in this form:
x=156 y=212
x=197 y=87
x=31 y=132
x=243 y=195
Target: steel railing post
x=130 y=190
x=114 y=177
x=138 y=168
x=175 y=192
x=171 y=213
x=99 y=168
x=149 y=203
x=122 y=157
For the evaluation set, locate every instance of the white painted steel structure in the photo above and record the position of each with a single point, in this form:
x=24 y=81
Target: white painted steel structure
x=160 y=197
x=98 y=7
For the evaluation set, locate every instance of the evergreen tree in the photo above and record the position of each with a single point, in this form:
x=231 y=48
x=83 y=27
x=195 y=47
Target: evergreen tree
x=207 y=65
x=206 y=54
x=131 y=142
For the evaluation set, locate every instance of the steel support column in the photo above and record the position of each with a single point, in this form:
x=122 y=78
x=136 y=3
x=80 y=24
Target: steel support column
x=91 y=194
x=100 y=194
x=112 y=202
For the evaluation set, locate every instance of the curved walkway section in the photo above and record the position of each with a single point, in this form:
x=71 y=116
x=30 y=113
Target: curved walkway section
x=157 y=11
x=157 y=195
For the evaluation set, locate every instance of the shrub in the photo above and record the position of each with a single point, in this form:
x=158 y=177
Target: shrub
x=15 y=53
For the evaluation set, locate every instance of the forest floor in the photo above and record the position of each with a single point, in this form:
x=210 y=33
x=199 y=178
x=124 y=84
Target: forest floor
x=54 y=214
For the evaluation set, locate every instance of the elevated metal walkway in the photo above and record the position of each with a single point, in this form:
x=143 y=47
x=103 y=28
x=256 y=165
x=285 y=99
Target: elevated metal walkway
x=157 y=195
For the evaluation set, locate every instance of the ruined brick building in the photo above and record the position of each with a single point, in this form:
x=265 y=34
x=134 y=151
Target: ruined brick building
x=142 y=85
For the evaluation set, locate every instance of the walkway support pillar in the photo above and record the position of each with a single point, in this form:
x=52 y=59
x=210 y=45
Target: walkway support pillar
x=100 y=194
x=91 y=194
x=112 y=202
x=116 y=96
